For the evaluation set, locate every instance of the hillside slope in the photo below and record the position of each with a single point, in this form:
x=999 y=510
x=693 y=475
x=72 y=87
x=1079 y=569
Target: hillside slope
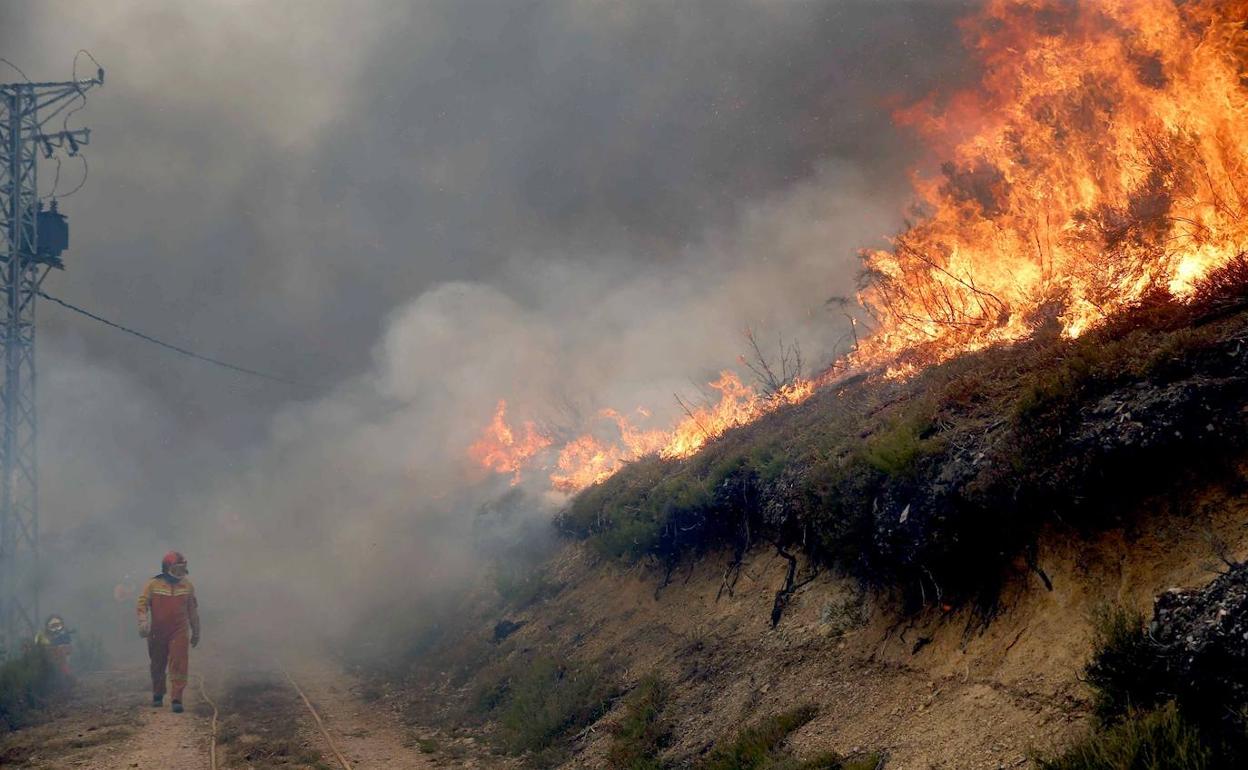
x=937 y=690
x=923 y=562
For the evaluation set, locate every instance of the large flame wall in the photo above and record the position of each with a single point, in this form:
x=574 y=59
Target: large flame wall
x=1101 y=157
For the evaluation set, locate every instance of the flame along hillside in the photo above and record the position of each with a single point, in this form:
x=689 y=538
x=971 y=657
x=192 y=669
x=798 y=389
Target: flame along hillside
x=1100 y=161
x=587 y=459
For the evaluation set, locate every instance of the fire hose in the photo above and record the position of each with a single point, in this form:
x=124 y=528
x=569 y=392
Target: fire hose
x=317 y=717
x=212 y=745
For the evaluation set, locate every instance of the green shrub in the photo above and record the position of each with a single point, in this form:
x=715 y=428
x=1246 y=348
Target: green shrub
x=519 y=588
x=544 y=700
x=641 y=734
x=630 y=539
x=427 y=745
x=759 y=747
x=1058 y=385
x=829 y=761
x=26 y=683
x=595 y=509
x=755 y=747
x=895 y=451
x=1121 y=671
x=488 y=697
x=1153 y=740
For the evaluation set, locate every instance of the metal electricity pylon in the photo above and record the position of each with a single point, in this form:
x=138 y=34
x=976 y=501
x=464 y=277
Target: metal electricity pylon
x=31 y=245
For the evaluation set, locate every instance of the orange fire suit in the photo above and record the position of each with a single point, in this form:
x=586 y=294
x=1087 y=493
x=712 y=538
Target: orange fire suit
x=170 y=606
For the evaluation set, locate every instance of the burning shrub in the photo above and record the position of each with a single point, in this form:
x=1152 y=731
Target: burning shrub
x=1092 y=180
x=1080 y=188
x=1224 y=289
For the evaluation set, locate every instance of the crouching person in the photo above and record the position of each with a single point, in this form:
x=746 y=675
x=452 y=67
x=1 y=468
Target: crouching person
x=57 y=640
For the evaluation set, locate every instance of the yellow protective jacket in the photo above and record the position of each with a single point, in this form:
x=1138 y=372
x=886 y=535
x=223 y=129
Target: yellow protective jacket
x=171 y=605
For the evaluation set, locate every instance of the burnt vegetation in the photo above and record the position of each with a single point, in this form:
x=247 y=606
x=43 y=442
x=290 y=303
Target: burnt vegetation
x=937 y=487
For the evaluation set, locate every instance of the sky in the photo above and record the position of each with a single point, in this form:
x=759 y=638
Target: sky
x=413 y=209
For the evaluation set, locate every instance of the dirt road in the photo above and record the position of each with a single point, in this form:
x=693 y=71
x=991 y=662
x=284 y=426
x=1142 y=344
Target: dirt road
x=105 y=725
x=263 y=723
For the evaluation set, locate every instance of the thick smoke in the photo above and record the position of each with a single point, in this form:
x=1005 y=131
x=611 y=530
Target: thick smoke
x=414 y=211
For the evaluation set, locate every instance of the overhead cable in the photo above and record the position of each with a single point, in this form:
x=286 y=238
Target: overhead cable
x=14 y=66
x=162 y=343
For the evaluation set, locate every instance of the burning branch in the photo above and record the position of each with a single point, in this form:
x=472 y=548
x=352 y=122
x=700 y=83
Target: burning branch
x=689 y=413
x=790 y=365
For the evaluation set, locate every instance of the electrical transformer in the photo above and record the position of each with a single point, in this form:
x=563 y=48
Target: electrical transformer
x=53 y=235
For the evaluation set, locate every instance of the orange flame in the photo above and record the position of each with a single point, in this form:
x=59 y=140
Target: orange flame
x=499 y=450
x=587 y=459
x=738 y=404
x=1102 y=157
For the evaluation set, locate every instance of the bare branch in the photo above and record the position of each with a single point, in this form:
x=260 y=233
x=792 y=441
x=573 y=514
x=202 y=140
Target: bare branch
x=692 y=416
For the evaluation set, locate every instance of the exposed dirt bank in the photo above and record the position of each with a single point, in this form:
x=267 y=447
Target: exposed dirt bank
x=944 y=690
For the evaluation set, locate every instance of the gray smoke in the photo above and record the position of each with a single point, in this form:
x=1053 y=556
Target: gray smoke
x=414 y=210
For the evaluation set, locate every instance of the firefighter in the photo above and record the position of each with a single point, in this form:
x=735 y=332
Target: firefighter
x=59 y=643
x=167 y=608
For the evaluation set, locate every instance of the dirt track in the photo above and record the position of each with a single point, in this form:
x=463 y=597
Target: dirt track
x=107 y=724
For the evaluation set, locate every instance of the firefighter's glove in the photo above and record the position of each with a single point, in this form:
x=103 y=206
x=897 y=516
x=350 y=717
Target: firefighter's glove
x=145 y=628
x=195 y=640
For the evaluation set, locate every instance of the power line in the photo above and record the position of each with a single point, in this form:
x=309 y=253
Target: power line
x=56 y=181
x=81 y=51
x=17 y=68
x=86 y=169
x=162 y=343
